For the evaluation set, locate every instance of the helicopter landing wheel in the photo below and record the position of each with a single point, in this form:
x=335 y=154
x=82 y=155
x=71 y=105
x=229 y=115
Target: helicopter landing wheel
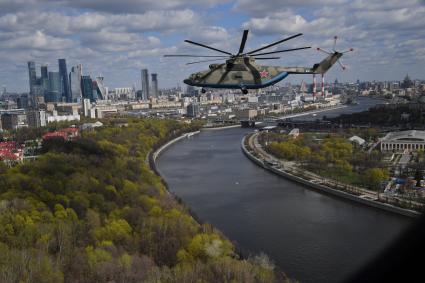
x=244 y=91
x=203 y=90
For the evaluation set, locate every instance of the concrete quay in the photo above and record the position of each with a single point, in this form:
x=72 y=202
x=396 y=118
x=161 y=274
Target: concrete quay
x=363 y=196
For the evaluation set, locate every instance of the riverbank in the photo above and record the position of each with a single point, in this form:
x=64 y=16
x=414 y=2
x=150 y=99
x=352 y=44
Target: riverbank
x=151 y=161
x=220 y=127
x=156 y=153
x=323 y=188
x=315 y=111
x=242 y=254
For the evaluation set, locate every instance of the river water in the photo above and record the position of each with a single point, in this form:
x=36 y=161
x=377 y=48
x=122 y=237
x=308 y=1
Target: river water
x=311 y=236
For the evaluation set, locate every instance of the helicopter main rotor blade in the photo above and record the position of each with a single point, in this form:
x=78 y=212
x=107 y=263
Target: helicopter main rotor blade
x=275 y=43
x=280 y=51
x=243 y=41
x=209 y=47
x=266 y=58
x=202 y=61
x=187 y=55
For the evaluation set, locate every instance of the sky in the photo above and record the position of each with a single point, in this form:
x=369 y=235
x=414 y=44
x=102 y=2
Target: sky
x=116 y=39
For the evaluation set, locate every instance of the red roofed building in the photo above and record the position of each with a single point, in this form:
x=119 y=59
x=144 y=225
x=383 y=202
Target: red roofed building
x=71 y=132
x=11 y=150
x=66 y=134
x=55 y=135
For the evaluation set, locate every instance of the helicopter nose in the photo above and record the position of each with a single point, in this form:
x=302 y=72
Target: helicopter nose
x=187 y=81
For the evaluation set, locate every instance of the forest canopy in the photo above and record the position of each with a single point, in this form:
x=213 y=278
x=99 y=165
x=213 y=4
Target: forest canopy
x=91 y=210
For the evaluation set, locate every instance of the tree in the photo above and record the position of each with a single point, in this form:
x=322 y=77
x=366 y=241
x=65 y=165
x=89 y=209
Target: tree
x=374 y=176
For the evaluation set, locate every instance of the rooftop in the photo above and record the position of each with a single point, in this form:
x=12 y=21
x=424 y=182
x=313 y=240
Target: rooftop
x=411 y=135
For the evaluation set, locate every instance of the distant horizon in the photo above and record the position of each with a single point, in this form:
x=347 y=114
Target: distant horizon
x=117 y=41
x=183 y=85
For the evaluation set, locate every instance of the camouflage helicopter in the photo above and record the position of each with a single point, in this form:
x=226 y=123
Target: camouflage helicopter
x=240 y=71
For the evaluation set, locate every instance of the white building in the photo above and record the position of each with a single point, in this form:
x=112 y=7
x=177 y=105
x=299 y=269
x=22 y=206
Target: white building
x=357 y=139
x=125 y=92
x=399 y=141
x=59 y=118
x=86 y=107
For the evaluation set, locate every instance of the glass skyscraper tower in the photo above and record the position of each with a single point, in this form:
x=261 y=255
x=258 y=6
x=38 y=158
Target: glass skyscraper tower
x=75 y=82
x=145 y=84
x=155 y=84
x=63 y=74
x=32 y=76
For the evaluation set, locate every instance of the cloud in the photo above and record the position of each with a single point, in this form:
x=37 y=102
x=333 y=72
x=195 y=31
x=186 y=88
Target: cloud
x=136 y=6
x=61 y=24
x=279 y=22
x=116 y=38
x=254 y=7
x=110 y=41
x=108 y=6
x=36 y=41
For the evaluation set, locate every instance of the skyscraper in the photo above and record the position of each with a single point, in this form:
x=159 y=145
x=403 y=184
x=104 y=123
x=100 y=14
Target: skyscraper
x=44 y=80
x=63 y=73
x=54 y=91
x=87 y=87
x=155 y=84
x=145 y=84
x=101 y=90
x=75 y=82
x=32 y=76
x=44 y=73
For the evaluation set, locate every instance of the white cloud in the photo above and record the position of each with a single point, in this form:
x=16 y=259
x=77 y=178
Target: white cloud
x=116 y=38
x=254 y=7
x=36 y=41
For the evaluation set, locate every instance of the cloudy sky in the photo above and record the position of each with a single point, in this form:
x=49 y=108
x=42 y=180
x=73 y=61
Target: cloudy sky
x=118 y=38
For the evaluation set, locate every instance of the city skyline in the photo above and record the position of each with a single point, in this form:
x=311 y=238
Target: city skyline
x=118 y=41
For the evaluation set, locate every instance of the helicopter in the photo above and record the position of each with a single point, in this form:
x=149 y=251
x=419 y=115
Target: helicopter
x=240 y=70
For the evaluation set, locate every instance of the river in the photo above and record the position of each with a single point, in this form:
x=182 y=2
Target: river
x=311 y=236
x=363 y=104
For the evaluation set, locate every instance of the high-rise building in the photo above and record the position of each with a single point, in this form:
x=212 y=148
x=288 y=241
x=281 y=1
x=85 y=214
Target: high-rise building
x=54 y=91
x=101 y=89
x=145 y=84
x=86 y=107
x=193 y=110
x=44 y=73
x=36 y=118
x=63 y=73
x=191 y=91
x=75 y=82
x=22 y=101
x=155 y=84
x=32 y=75
x=9 y=121
x=87 y=87
x=44 y=80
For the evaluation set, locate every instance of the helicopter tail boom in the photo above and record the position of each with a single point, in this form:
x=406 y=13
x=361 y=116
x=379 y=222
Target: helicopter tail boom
x=318 y=68
x=327 y=63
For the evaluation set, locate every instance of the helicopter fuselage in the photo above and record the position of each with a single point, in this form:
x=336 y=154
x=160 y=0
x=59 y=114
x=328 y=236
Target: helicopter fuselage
x=242 y=73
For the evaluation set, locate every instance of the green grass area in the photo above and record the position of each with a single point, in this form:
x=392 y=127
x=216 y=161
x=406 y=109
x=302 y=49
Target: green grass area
x=331 y=156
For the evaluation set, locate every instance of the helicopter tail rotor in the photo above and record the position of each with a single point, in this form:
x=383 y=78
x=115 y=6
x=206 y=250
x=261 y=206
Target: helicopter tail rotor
x=333 y=57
